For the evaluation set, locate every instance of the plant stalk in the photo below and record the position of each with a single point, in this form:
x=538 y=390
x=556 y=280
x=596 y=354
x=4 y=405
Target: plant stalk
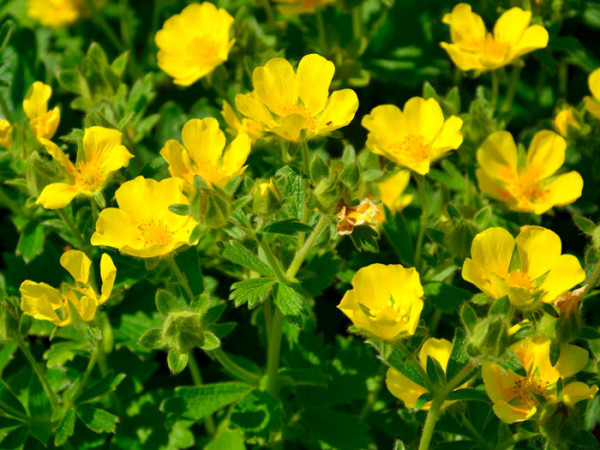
x=38 y=371
x=420 y=179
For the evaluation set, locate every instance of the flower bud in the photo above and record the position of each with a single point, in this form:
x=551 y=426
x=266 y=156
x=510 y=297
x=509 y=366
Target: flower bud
x=267 y=199
x=214 y=208
x=327 y=195
x=183 y=331
x=489 y=337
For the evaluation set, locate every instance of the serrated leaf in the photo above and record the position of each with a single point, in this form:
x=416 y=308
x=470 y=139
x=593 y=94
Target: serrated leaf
x=97 y=419
x=468 y=317
x=10 y=400
x=106 y=385
x=397 y=360
x=65 y=428
x=253 y=291
x=258 y=413
x=291 y=302
x=227 y=440
x=238 y=254
x=365 y=239
x=287 y=227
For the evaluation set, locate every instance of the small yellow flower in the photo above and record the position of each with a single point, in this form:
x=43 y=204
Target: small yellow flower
x=193 y=43
x=407 y=390
x=102 y=154
x=366 y=212
x=43 y=122
x=288 y=103
x=593 y=103
x=56 y=13
x=564 y=120
x=391 y=193
x=386 y=301
x=143 y=225
x=473 y=48
x=515 y=396
x=536 y=272
x=293 y=7
x=43 y=302
x=5 y=133
x=244 y=126
x=413 y=138
x=531 y=186
x=202 y=154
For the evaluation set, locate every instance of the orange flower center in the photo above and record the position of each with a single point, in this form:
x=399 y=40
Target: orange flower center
x=414 y=147
x=392 y=310
x=526 y=187
x=491 y=50
x=155 y=233
x=88 y=176
x=525 y=389
x=520 y=279
x=204 y=51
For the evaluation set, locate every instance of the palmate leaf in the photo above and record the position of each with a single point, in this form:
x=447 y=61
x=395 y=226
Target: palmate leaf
x=98 y=420
x=253 y=291
x=237 y=253
x=290 y=300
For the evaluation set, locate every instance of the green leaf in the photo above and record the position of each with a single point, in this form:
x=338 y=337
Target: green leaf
x=482 y=217
x=469 y=395
x=16 y=438
x=585 y=225
x=423 y=399
x=181 y=209
x=291 y=302
x=70 y=80
x=365 y=239
x=500 y=307
x=31 y=241
x=5 y=32
x=350 y=175
x=198 y=402
x=435 y=372
x=458 y=355
x=398 y=234
x=10 y=400
x=253 y=291
x=166 y=302
x=288 y=227
x=97 y=419
x=210 y=342
x=397 y=360
x=177 y=361
x=468 y=317
x=106 y=385
x=65 y=428
x=237 y=253
x=227 y=440
x=200 y=303
x=318 y=169
x=152 y=339
x=445 y=297
x=258 y=413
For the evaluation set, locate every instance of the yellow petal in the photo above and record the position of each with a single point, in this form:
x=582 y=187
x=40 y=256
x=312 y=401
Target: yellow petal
x=572 y=360
x=36 y=99
x=534 y=37
x=178 y=159
x=498 y=383
x=339 y=111
x=57 y=195
x=45 y=126
x=251 y=107
x=115 y=228
x=58 y=155
x=594 y=83
x=490 y=187
x=565 y=189
x=40 y=301
x=77 y=264
x=425 y=118
x=385 y=124
x=403 y=388
x=275 y=85
x=449 y=137
x=465 y=26
x=391 y=189
x=291 y=127
x=236 y=154
x=103 y=145
x=546 y=154
x=204 y=141
x=230 y=117
x=5 y=133
x=539 y=250
x=87 y=308
x=108 y=273
x=438 y=349
x=566 y=274
x=314 y=77
x=511 y=25
x=464 y=60
x=498 y=155
x=508 y=413
x=577 y=391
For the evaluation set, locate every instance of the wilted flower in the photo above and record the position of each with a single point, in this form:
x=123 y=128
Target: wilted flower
x=43 y=302
x=593 y=103
x=143 y=225
x=532 y=186
x=43 y=122
x=237 y=126
x=391 y=193
x=102 y=154
x=537 y=272
x=407 y=390
x=568 y=304
x=517 y=398
x=564 y=120
x=353 y=216
x=473 y=48
x=287 y=103
x=202 y=153
x=413 y=138
x=5 y=133
x=386 y=301
x=292 y=7
x=193 y=43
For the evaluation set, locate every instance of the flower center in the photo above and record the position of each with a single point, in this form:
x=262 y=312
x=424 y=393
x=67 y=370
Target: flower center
x=526 y=187
x=519 y=279
x=414 y=147
x=155 y=233
x=491 y=49
x=392 y=310
x=88 y=177
x=204 y=50
x=525 y=389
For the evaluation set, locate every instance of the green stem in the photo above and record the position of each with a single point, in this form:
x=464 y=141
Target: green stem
x=234 y=369
x=305 y=156
x=98 y=19
x=209 y=423
x=85 y=377
x=511 y=89
x=372 y=396
x=38 y=371
x=308 y=244
x=495 y=89
x=357 y=23
x=73 y=229
x=181 y=278
x=5 y=109
x=273 y=352
x=321 y=29
x=4 y=408
x=420 y=179
x=273 y=261
x=284 y=150
x=101 y=358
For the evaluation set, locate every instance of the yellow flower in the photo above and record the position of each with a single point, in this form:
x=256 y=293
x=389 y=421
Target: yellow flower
x=143 y=225
x=237 y=126
x=287 y=103
x=473 y=48
x=366 y=212
x=102 y=154
x=565 y=119
x=413 y=138
x=202 y=154
x=386 y=301
x=536 y=272
x=593 y=103
x=407 y=390
x=43 y=122
x=5 y=133
x=293 y=7
x=193 y=43
x=531 y=186
x=515 y=396
x=56 y=13
x=43 y=302
x=391 y=193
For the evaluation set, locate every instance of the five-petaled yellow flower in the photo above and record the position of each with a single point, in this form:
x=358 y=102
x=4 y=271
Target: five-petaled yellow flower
x=193 y=43
x=515 y=397
x=529 y=269
x=593 y=103
x=202 y=154
x=473 y=48
x=415 y=137
x=293 y=7
x=102 y=154
x=530 y=186
x=391 y=193
x=58 y=13
x=243 y=126
x=407 y=390
x=143 y=225
x=43 y=302
x=288 y=103
x=386 y=301
x=43 y=122
x=5 y=133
